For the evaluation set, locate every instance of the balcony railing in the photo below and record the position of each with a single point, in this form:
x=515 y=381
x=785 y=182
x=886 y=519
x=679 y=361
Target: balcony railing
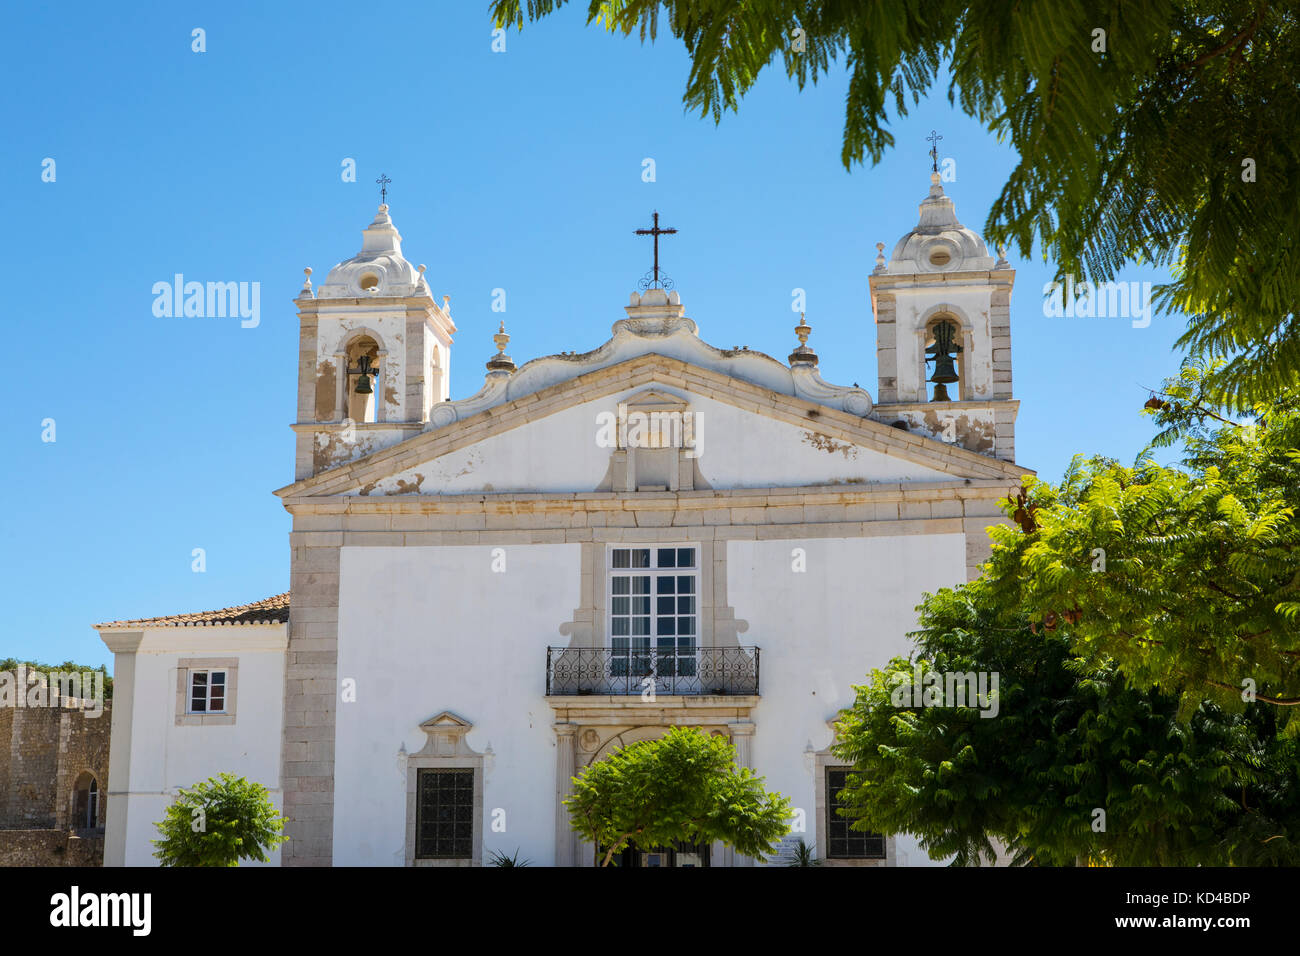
x=577 y=671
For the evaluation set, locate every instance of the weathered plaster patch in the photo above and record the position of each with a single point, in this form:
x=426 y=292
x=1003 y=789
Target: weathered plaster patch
x=972 y=434
x=405 y=487
x=326 y=381
x=829 y=445
x=332 y=449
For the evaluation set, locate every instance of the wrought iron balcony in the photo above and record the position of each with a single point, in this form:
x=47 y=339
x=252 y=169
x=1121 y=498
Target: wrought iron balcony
x=675 y=668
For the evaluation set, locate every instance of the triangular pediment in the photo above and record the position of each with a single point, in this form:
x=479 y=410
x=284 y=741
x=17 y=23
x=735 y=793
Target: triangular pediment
x=446 y=721
x=451 y=459
x=651 y=399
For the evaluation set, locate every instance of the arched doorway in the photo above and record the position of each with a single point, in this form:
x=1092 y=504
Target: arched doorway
x=681 y=854
x=85 y=801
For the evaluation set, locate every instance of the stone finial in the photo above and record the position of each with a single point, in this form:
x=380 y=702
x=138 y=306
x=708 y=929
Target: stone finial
x=803 y=355
x=501 y=362
x=880 y=257
x=306 y=282
x=421 y=268
x=1002 y=258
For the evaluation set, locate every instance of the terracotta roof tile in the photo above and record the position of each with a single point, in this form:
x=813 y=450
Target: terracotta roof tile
x=272 y=610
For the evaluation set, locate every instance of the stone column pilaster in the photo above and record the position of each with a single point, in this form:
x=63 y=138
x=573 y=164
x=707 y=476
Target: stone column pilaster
x=565 y=759
x=742 y=738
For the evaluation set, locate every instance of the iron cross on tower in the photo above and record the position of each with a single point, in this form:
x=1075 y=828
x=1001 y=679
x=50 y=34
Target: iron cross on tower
x=652 y=279
x=383 y=182
x=933 y=140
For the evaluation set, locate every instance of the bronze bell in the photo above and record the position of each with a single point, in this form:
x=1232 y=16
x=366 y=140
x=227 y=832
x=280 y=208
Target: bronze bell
x=944 y=370
x=363 y=371
x=941 y=352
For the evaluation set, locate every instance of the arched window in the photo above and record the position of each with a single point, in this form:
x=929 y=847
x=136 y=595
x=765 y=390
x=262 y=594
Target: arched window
x=85 y=808
x=362 y=379
x=944 y=366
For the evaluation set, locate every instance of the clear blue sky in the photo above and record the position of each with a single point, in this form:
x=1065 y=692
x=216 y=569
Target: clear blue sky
x=519 y=170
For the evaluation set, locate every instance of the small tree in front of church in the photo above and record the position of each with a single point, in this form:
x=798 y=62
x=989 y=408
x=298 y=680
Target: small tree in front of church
x=219 y=822
x=685 y=787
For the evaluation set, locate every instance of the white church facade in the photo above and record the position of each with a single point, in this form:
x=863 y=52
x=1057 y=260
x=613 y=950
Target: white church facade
x=490 y=593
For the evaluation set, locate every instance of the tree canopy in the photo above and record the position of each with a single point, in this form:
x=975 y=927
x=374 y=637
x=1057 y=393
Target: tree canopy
x=1077 y=765
x=1154 y=131
x=685 y=786
x=1187 y=577
x=219 y=822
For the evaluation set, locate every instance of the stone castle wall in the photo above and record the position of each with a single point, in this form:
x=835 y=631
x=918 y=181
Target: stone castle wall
x=44 y=754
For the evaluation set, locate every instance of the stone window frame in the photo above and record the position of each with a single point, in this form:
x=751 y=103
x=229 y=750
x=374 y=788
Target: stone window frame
x=717 y=624
x=828 y=761
x=184 y=666
x=445 y=749
x=623 y=459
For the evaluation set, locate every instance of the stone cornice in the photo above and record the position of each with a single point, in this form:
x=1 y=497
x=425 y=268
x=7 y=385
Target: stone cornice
x=568 y=503
x=162 y=640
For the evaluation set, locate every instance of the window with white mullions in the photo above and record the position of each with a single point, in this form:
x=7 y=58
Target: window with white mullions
x=653 y=613
x=207 y=691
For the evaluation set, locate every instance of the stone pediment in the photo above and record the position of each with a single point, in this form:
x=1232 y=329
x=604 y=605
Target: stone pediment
x=445 y=736
x=526 y=436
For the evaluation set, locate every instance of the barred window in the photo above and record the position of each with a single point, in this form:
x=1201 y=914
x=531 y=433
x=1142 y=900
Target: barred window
x=845 y=843
x=444 y=815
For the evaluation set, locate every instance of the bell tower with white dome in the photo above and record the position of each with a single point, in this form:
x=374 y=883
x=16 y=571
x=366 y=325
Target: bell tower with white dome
x=942 y=306
x=374 y=354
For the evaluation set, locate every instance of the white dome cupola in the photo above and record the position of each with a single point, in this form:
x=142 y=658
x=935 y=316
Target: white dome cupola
x=938 y=242
x=378 y=269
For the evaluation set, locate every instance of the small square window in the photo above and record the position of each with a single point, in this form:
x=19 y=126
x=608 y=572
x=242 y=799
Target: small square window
x=205 y=690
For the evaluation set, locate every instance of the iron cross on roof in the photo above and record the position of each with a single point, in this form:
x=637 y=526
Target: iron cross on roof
x=383 y=182
x=652 y=279
x=933 y=140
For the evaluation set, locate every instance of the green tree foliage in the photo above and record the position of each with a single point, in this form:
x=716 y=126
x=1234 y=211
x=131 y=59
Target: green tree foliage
x=1158 y=131
x=1188 y=578
x=685 y=786
x=1070 y=738
x=218 y=823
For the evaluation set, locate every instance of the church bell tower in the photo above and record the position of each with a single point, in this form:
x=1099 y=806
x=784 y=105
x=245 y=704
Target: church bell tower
x=942 y=306
x=374 y=354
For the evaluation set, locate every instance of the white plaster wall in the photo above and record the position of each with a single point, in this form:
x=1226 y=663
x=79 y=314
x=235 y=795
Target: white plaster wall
x=821 y=632
x=165 y=757
x=423 y=630
x=739 y=449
